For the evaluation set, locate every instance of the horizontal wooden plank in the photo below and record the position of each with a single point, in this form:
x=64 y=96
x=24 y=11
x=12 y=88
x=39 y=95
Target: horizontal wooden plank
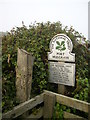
x=37 y=115
x=71 y=102
x=22 y=108
x=72 y=116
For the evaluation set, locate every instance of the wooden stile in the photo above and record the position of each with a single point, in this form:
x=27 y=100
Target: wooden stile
x=49 y=98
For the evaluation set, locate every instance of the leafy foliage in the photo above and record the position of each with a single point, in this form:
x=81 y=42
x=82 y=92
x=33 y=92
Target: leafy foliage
x=36 y=39
x=82 y=89
x=59 y=111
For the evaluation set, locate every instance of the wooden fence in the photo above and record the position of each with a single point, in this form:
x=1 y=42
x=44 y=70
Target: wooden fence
x=45 y=107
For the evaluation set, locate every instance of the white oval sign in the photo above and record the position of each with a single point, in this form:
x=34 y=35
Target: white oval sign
x=60 y=49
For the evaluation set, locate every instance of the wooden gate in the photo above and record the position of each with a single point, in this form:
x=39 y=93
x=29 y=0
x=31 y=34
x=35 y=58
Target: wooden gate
x=42 y=106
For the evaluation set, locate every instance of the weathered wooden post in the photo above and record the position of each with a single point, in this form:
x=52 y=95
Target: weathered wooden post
x=49 y=103
x=24 y=75
x=89 y=111
x=61 y=71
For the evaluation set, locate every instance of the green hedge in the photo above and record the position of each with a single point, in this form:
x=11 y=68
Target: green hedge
x=36 y=39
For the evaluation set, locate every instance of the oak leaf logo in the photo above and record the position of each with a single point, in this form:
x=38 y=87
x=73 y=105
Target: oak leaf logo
x=60 y=46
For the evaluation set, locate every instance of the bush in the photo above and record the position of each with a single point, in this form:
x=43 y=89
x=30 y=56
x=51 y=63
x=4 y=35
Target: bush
x=82 y=89
x=36 y=39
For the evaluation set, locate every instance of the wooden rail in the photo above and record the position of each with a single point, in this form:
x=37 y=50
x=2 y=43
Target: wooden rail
x=46 y=111
x=70 y=102
x=22 y=108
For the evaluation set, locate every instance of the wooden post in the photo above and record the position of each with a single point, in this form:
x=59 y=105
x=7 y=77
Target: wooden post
x=65 y=90
x=89 y=112
x=62 y=89
x=49 y=102
x=24 y=75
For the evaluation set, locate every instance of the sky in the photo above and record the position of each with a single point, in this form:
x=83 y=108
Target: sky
x=68 y=12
